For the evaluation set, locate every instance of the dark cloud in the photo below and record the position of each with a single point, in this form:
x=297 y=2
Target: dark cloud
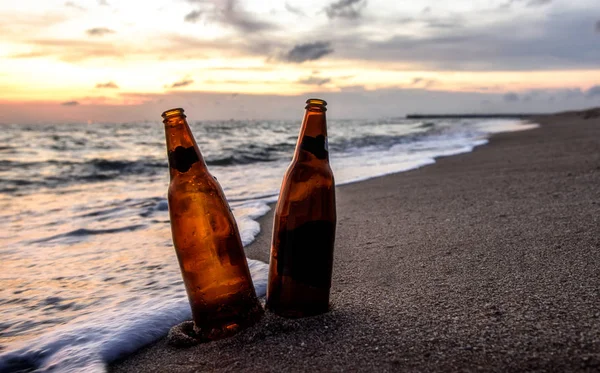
x=181 y=83
x=510 y=97
x=308 y=52
x=228 y=13
x=348 y=9
x=422 y=82
x=193 y=16
x=426 y=10
x=99 y=31
x=70 y=103
x=111 y=84
x=597 y=26
x=294 y=10
x=314 y=80
x=556 y=41
x=593 y=91
x=241 y=20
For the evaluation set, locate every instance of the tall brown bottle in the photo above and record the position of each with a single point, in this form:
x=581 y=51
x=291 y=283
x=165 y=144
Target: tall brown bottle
x=206 y=239
x=304 y=227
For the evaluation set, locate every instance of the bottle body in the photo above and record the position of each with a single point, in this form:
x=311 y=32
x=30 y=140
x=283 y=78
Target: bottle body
x=304 y=228
x=207 y=243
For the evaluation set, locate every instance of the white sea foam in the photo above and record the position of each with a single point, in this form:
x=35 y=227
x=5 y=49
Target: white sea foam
x=93 y=340
x=88 y=344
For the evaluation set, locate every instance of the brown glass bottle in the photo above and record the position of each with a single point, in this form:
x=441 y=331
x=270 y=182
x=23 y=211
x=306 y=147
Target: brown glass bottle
x=206 y=239
x=304 y=226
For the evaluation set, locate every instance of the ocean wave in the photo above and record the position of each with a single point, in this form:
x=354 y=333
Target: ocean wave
x=88 y=346
x=82 y=232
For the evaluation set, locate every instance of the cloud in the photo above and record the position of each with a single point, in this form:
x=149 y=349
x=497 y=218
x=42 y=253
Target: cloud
x=553 y=42
x=70 y=103
x=181 y=83
x=172 y=47
x=294 y=10
x=349 y=102
x=177 y=46
x=73 y=50
x=308 y=52
x=99 y=31
x=422 y=82
x=349 y=9
x=193 y=16
x=241 y=20
x=593 y=91
x=510 y=97
x=597 y=26
x=531 y=3
x=444 y=23
x=17 y=26
x=71 y=4
x=528 y=3
x=314 y=80
x=228 y=13
x=29 y=55
x=111 y=84
x=103 y=2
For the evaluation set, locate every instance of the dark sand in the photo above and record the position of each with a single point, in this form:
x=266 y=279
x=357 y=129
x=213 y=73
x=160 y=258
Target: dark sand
x=487 y=261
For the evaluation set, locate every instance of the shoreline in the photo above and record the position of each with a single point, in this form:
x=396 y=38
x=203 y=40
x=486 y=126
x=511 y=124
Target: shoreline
x=487 y=260
x=256 y=250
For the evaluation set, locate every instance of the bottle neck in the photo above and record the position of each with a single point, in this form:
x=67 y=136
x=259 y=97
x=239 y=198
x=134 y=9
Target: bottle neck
x=182 y=149
x=312 y=141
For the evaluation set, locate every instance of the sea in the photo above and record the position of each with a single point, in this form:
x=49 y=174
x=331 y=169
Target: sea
x=88 y=273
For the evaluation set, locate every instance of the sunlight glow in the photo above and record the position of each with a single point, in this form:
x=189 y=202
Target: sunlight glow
x=103 y=52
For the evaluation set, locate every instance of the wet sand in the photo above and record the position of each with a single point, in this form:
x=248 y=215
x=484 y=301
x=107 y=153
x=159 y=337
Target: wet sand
x=486 y=261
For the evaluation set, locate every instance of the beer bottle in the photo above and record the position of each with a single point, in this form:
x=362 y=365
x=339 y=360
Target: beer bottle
x=304 y=226
x=206 y=239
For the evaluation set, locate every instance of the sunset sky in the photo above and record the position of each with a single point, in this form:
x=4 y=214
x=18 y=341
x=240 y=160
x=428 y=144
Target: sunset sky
x=109 y=60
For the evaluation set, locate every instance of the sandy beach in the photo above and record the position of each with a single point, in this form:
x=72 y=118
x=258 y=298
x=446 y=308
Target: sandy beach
x=486 y=261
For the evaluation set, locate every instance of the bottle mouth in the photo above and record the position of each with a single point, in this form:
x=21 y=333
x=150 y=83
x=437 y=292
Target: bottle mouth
x=172 y=112
x=316 y=102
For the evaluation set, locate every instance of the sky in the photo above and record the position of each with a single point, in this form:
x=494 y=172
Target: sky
x=119 y=61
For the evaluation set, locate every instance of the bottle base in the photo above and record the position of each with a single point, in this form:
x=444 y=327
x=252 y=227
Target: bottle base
x=189 y=334
x=227 y=328
x=207 y=334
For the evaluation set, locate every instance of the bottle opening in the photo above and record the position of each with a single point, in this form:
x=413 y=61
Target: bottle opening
x=316 y=103
x=172 y=112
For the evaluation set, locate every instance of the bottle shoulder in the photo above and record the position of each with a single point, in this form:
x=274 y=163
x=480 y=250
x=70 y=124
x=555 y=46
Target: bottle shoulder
x=306 y=179
x=312 y=167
